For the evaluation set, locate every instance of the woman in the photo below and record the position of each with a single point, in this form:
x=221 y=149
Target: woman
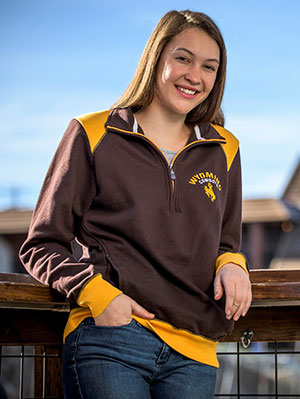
x=151 y=190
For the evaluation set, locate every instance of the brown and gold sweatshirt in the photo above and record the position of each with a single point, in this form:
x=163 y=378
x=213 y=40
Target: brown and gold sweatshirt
x=154 y=231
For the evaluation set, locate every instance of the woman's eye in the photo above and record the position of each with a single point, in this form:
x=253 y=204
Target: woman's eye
x=210 y=68
x=182 y=58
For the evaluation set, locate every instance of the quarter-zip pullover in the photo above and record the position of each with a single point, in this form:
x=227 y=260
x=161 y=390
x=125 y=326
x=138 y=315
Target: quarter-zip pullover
x=157 y=232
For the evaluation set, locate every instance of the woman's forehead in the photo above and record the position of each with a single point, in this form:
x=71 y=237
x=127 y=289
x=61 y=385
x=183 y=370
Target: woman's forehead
x=195 y=40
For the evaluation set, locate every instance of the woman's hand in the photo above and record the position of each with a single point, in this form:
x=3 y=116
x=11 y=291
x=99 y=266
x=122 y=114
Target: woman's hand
x=119 y=312
x=235 y=282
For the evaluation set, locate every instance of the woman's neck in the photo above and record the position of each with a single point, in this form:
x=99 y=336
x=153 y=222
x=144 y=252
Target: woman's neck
x=165 y=130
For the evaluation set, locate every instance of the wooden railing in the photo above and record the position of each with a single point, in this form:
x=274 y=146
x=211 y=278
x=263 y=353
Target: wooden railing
x=33 y=315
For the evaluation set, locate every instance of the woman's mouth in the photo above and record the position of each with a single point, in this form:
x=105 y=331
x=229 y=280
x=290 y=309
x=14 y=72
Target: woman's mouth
x=186 y=91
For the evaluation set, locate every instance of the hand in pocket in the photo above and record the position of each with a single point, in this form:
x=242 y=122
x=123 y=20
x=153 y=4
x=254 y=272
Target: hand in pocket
x=119 y=312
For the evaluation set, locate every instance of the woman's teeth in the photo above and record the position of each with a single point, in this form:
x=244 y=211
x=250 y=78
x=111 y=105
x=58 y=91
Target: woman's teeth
x=187 y=91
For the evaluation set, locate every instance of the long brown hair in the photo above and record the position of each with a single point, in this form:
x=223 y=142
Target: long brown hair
x=140 y=92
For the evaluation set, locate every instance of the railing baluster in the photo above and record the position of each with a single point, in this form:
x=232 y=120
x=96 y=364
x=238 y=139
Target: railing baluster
x=21 y=378
x=238 y=370
x=44 y=374
x=276 y=368
x=0 y=360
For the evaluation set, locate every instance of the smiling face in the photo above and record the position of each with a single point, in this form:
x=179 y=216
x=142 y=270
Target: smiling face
x=186 y=71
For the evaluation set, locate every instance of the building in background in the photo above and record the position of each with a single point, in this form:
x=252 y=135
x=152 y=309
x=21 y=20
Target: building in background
x=271 y=228
x=271 y=231
x=14 y=225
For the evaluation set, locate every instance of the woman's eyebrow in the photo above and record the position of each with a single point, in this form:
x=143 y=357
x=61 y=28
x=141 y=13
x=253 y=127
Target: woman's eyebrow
x=191 y=53
x=184 y=49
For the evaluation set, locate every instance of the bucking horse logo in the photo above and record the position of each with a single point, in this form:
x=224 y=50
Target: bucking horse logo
x=210 y=192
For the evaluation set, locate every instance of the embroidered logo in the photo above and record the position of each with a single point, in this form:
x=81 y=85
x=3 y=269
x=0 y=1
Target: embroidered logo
x=210 y=192
x=210 y=183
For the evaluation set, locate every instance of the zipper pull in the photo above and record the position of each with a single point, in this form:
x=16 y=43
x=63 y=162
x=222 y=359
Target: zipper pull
x=173 y=176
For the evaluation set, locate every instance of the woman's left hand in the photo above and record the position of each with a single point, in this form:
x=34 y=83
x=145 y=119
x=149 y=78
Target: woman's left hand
x=232 y=279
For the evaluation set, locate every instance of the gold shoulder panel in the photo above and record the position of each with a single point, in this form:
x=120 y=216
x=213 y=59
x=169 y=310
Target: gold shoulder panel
x=231 y=146
x=94 y=126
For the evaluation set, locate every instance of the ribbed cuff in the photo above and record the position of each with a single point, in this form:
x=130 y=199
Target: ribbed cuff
x=97 y=294
x=231 y=257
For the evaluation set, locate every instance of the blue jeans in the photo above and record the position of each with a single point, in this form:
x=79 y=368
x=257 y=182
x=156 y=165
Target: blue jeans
x=130 y=362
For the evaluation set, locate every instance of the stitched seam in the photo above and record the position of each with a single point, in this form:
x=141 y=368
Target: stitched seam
x=74 y=362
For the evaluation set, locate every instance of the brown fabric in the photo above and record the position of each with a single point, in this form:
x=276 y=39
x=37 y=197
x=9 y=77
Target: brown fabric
x=155 y=243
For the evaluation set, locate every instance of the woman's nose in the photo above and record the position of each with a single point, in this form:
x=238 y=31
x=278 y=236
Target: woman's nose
x=194 y=75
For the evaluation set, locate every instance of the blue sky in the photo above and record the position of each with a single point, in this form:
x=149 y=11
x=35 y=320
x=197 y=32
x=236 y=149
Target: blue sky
x=62 y=58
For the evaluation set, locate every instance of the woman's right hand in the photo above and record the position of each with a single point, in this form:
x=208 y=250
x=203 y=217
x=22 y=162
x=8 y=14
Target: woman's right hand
x=119 y=312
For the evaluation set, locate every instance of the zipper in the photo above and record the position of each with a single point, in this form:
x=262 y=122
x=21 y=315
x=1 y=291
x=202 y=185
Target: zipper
x=173 y=203
x=170 y=166
x=171 y=177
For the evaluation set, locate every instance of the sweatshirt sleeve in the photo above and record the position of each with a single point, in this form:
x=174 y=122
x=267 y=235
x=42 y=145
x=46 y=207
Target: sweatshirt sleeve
x=66 y=195
x=230 y=242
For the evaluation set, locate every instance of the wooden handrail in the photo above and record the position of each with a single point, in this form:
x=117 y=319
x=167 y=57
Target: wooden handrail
x=277 y=286
x=274 y=314
x=21 y=290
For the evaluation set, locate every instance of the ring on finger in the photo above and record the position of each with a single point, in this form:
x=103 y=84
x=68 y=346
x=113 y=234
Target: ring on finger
x=236 y=305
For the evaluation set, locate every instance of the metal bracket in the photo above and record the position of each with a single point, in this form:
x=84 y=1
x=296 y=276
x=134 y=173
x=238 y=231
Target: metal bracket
x=246 y=338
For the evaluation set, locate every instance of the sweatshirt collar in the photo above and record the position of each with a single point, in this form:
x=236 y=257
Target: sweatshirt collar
x=123 y=119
